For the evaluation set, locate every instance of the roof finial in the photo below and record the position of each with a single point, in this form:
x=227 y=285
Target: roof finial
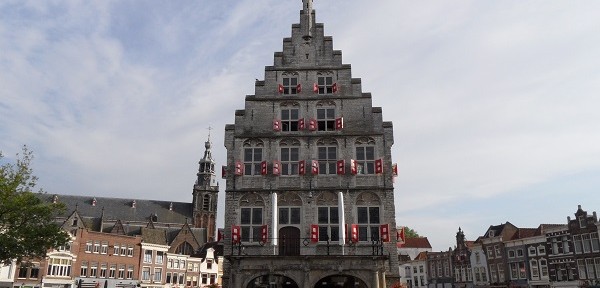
x=307 y=9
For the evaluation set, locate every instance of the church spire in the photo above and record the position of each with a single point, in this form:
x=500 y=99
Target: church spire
x=206 y=169
x=307 y=19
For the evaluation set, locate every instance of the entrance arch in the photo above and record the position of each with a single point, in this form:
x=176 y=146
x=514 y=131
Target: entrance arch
x=289 y=241
x=272 y=281
x=340 y=281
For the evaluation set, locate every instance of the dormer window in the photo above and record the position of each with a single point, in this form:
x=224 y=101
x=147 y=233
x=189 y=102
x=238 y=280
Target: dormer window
x=582 y=222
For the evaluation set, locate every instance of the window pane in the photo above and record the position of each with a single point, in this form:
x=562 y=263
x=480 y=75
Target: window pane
x=374 y=215
x=294 y=154
x=285 y=154
x=257 y=154
x=322 y=153
x=330 y=113
x=295 y=216
x=335 y=233
x=370 y=152
x=283 y=216
x=333 y=215
x=323 y=215
x=294 y=114
x=332 y=153
x=360 y=153
x=323 y=233
x=320 y=113
x=248 y=154
x=245 y=216
x=257 y=216
x=362 y=215
x=285 y=114
x=256 y=233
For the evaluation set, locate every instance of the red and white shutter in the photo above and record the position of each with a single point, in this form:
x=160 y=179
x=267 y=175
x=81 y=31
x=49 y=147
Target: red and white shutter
x=301 y=125
x=379 y=166
x=395 y=169
x=334 y=87
x=298 y=88
x=400 y=235
x=354 y=233
x=276 y=125
x=312 y=124
x=264 y=233
x=353 y=167
x=238 y=169
x=341 y=167
x=384 y=231
x=315 y=167
x=301 y=167
x=315 y=88
x=276 y=167
x=263 y=168
x=314 y=233
x=339 y=123
x=280 y=88
x=236 y=234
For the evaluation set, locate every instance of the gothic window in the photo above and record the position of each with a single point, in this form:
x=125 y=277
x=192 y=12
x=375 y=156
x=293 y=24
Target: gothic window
x=290 y=85
x=290 y=151
x=365 y=155
x=251 y=217
x=327 y=156
x=326 y=119
x=289 y=119
x=184 y=248
x=289 y=208
x=368 y=216
x=253 y=155
x=328 y=217
x=325 y=84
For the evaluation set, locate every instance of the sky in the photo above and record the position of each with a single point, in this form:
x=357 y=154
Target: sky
x=495 y=104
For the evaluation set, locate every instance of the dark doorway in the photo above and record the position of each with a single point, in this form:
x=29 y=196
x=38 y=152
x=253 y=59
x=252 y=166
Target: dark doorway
x=340 y=281
x=272 y=281
x=289 y=241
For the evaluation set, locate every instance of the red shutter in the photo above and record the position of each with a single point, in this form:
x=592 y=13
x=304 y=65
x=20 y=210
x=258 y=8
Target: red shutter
x=276 y=167
x=301 y=124
x=312 y=124
x=298 y=88
x=354 y=233
x=263 y=168
x=379 y=166
x=276 y=125
x=223 y=172
x=301 y=167
x=339 y=123
x=280 y=88
x=395 y=169
x=341 y=167
x=238 y=168
x=314 y=233
x=353 y=167
x=315 y=88
x=334 y=88
x=400 y=234
x=384 y=231
x=236 y=234
x=315 y=167
x=265 y=233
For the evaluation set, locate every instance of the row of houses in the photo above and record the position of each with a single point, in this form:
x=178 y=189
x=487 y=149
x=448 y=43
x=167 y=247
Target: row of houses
x=550 y=255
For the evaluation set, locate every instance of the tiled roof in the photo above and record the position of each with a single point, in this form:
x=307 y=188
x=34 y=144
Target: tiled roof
x=524 y=233
x=419 y=242
x=154 y=236
x=421 y=256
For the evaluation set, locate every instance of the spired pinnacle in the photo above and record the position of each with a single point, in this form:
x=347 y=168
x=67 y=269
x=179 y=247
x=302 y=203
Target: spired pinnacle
x=307 y=9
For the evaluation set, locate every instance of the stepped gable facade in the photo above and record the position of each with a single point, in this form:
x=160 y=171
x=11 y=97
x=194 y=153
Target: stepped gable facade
x=309 y=178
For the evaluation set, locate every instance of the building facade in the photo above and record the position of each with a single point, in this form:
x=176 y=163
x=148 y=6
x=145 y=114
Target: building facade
x=309 y=175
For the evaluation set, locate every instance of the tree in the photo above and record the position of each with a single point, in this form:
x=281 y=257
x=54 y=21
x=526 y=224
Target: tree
x=409 y=233
x=27 y=227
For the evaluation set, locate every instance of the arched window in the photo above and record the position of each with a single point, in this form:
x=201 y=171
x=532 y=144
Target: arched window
x=290 y=155
x=290 y=114
x=368 y=213
x=184 y=248
x=289 y=208
x=251 y=217
x=326 y=116
x=327 y=216
x=365 y=155
x=253 y=155
x=327 y=156
x=290 y=83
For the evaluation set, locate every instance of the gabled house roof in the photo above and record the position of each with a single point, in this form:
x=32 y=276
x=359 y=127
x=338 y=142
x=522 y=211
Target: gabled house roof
x=418 y=242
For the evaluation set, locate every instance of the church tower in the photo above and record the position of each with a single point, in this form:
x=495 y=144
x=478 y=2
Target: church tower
x=205 y=194
x=309 y=198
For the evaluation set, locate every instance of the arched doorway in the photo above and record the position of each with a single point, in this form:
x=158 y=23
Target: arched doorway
x=340 y=281
x=272 y=281
x=289 y=241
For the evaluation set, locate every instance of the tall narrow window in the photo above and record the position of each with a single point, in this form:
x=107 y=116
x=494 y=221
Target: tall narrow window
x=289 y=215
x=365 y=159
x=327 y=159
x=84 y=269
x=253 y=155
x=290 y=85
x=251 y=223
x=289 y=160
x=326 y=119
x=289 y=119
x=146 y=274
x=328 y=223
x=325 y=84
x=368 y=223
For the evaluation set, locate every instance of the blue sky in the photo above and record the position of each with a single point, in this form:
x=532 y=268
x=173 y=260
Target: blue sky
x=494 y=103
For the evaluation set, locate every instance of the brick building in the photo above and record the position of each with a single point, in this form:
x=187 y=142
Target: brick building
x=309 y=175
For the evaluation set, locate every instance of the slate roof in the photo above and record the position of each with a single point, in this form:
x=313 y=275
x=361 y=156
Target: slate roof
x=154 y=236
x=121 y=208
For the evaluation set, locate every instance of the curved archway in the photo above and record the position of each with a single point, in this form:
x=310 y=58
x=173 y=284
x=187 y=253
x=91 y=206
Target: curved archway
x=272 y=281
x=340 y=281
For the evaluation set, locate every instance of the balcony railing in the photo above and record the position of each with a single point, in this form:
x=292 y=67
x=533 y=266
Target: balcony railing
x=305 y=247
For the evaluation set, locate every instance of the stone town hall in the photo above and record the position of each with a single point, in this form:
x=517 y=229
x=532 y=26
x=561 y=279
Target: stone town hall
x=309 y=180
